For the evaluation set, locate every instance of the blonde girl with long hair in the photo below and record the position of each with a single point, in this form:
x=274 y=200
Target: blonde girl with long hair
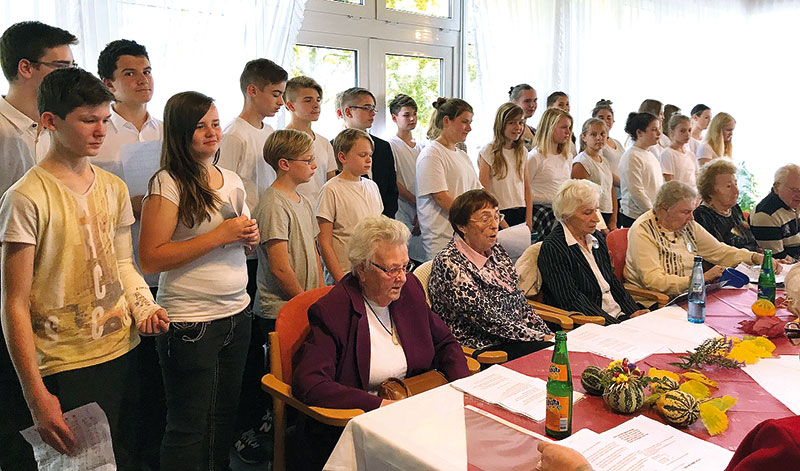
x=549 y=165
x=719 y=139
x=501 y=163
x=591 y=165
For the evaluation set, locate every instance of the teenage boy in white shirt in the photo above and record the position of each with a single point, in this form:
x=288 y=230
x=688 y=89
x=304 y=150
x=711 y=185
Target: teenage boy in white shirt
x=303 y=98
x=406 y=151
x=28 y=52
x=356 y=107
x=262 y=83
x=124 y=67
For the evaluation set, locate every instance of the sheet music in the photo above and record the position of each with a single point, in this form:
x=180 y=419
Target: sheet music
x=92 y=433
x=140 y=161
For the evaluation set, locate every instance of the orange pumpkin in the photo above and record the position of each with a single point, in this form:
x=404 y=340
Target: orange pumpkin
x=763 y=308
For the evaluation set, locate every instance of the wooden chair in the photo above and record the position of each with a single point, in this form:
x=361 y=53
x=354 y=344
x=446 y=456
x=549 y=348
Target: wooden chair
x=291 y=329
x=617 y=241
x=530 y=283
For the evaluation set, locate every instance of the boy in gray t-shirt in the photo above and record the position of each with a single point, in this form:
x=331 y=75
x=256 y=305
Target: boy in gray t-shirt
x=288 y=262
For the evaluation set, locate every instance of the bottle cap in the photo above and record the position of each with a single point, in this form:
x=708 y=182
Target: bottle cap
x=561 y=335
x=698 y=258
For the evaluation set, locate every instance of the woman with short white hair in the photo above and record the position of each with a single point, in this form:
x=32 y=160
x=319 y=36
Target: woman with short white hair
x=574 y=262
x=663 y=242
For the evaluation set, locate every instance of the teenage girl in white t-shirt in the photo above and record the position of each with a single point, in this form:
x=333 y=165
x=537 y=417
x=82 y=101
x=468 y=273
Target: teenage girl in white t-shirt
x=591 y=165
x=701 y=117
x=196 y=229
x=501 y=164
x=549 y=165
x=677 y=161
x=613 y=150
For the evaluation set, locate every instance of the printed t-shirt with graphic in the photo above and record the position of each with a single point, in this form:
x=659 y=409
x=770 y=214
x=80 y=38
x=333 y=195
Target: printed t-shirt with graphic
x=79 y=313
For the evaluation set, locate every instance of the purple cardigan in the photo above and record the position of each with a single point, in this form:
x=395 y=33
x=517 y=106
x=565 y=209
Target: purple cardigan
x=331 y=369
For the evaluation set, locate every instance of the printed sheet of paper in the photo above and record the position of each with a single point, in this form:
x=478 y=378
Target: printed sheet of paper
x=665 y=330
x=140 y=161
x=510 y=390
x=752 y=272
x=607 y=454
x=666 y=445
x=780 y=377
x=90 y=427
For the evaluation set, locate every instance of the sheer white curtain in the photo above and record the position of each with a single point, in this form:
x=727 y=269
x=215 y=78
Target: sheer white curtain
x=730 y=55
x=197 y=45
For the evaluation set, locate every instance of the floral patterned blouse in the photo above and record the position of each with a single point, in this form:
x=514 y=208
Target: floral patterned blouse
x=482 y=306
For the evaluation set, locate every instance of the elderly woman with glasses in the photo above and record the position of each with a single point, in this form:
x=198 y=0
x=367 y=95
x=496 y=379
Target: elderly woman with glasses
x=373 y=325
x=574 y=262
x=663 y=241
x=473 y=284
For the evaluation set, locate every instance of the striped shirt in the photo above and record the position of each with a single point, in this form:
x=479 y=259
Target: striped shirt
x=776 y=227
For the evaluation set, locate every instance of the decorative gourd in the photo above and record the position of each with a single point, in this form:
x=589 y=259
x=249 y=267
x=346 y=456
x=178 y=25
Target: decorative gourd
x=664 y=384
x=763 y=308
x=592 y=380
x=678 y=408
x=624 y=397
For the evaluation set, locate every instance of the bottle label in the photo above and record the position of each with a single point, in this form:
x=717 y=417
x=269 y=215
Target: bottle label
x=766 y=292
x=558 y=372
x=557 y=416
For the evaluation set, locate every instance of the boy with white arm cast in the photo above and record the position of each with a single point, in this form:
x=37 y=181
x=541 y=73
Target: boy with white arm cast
x=69 y=334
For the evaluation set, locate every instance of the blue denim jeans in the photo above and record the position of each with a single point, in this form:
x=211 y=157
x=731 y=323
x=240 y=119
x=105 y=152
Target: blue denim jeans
x=202 y=364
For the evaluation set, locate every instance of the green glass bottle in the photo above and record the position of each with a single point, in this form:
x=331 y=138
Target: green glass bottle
x=558 y=418
x=766 y=279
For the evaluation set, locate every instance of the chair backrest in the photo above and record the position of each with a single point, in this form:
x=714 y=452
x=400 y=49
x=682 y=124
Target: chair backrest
x=292 y=328
x=617 y=241
x=423 y=272
x=528 y=270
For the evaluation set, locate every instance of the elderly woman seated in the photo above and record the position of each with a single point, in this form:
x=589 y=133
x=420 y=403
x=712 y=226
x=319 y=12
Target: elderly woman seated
x=373 y=325
x=663 y=241
x=574 y=262
x=473 y=284
x=719 y=212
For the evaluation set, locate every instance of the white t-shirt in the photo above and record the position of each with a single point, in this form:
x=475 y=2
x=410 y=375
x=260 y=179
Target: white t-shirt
x=405 y=162
x=326 y=162
x=122 y=133
x=212 y=286
x=509 y=191
x=612 y=156
x=681 y=165
x=386 y=360
x=345 y=204
x=440 y=169
x=694 y=144
x=242 y=151
x=704 y=151
x=21 y=144
x=640 y=178
x=547 y=173
x=600 y=173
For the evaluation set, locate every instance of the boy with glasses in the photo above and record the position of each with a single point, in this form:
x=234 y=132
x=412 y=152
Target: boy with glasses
x=356 y=107
x=28 y=52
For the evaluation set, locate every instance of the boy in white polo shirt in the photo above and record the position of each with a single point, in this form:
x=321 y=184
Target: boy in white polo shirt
x=303 y=97
x=28 y=52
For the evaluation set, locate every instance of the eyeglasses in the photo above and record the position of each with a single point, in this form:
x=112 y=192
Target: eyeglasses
x=368 y=109
x=58 y=64
x=487 y=218
x=395 y=271
x=307 y=162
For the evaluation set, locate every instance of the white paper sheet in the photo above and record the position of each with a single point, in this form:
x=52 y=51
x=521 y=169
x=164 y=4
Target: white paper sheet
x=90 y=427
x=780 y=377
x=644 y=444
x=752 y=272
x=510 y=390
x=140 y=161
x=515 y=240
x=665 y=330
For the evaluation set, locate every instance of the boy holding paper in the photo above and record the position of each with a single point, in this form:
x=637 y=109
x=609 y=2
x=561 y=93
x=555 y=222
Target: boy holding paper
x=72 y=301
